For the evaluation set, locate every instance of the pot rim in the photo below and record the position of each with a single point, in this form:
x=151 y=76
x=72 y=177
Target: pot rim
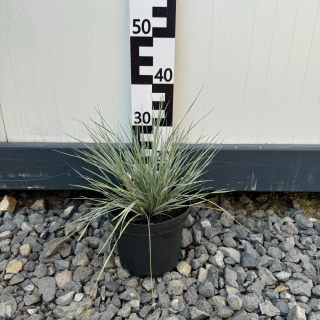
x=158 y=228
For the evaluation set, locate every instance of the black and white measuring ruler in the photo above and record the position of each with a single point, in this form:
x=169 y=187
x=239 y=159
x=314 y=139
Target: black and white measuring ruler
x=152 y=42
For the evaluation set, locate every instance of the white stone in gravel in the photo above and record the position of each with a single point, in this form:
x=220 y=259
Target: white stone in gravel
x=25 y=250
x=235 y=254
x=283 y=276
x=117 y=262
x=5 y=235
x=217 y=260
x=184 y=268
x=205 y=223
x=8 y=305
x=134 y=304
x=202 y=275
x=8 y=204
x=78 y=297
x=291 y=240
x=67 y=212
x=296 y=313
x=29 y=288
x=26 y=226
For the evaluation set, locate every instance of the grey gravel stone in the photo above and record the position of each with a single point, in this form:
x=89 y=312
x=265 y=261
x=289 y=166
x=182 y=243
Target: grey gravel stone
x=47 y=287
x=316 y=290
x=109 y=313
x=299 y=287
x=125 y=311
x=276 y=253
x=82 y=273
x=231 y=278
x=224 y=272
x=283 y=307
x=225 y=312
x=257 y=287
x=248 y=260
x=286 y=246
x=250 y=301
x=315 y=304
x=53 y=246
x=178 y=304
x=235 y=254
x=207 y=289
x=186 y=238
x=226 y=220
x=130 y=294
x=234 y=302
x=303 y=222
x=269 y=309
x=266 y=276
x=196 y=314
x=65 y=299
x=175 y=288
x=31 y=299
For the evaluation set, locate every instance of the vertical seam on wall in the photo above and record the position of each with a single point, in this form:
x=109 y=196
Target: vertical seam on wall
x=4 y=126
x=248 y=67
x=267 y=72
x=305 y=74
x=287 y=65
x=207 y=78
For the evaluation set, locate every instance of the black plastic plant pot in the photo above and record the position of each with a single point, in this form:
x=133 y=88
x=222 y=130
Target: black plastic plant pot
x=133 y=246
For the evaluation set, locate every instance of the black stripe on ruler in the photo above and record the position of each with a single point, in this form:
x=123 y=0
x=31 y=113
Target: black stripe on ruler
x=167 y=90
x=138 y=131
x=168 y=12
x=137 y=60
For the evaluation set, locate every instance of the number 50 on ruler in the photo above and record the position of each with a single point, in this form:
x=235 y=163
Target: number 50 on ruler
x=152 y=42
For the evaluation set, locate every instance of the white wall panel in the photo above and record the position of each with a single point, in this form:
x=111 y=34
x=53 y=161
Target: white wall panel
x=257 y=59
x=60 y=60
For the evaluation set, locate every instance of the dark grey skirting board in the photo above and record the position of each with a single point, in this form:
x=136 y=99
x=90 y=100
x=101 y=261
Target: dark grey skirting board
x=30 y=166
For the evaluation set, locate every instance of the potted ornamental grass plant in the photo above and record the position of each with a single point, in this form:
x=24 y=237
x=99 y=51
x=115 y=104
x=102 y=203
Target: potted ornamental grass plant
x=145 y=192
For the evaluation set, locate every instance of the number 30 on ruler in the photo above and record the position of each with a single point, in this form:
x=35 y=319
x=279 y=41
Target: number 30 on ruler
x=152 y=42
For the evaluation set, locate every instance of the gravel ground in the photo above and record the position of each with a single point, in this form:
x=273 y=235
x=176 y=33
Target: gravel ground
x=225 y=272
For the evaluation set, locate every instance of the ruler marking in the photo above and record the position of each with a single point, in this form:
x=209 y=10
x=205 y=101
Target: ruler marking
x=152 y=42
